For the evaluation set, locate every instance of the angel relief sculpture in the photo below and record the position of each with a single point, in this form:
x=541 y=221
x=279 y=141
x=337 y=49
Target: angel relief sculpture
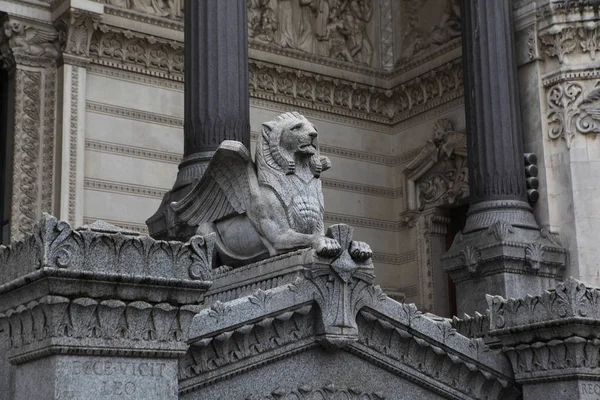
x=268 y=207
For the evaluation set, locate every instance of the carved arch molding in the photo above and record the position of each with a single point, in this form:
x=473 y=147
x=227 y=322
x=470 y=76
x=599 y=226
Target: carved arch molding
x=436 y=179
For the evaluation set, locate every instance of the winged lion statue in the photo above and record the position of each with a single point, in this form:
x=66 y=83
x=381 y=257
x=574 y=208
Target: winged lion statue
x=268 y=207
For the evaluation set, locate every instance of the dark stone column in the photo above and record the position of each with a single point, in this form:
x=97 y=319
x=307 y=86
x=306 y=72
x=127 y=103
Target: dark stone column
x=216 y=81
x=495 y=138
x=216 y=96
x=501 y=251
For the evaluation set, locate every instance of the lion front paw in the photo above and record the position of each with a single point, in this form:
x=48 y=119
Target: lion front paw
x=327 y=247
x=360 y=251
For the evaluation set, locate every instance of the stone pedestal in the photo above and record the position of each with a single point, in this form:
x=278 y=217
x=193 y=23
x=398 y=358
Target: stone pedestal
x=501 y=250
x=98 y=312
x=552 y=341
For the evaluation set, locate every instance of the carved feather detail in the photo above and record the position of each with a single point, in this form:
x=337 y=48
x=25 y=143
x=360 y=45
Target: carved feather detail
x=223 y=190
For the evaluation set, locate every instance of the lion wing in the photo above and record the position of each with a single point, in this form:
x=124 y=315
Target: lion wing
x=223 y=190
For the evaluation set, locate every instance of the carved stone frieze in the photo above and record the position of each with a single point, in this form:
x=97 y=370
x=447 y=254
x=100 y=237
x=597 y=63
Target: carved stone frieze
x=418 y=37
x=145 y=51
x=573 y=107
x=315 y=91
x=23 y=43
x=159 y=8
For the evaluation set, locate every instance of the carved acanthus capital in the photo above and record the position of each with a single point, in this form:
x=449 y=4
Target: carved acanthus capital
x=22 y=42
x=76 y=28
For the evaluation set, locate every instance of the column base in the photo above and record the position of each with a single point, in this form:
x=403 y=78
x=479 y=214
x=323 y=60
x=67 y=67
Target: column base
x=163 y=225
x=502 y=252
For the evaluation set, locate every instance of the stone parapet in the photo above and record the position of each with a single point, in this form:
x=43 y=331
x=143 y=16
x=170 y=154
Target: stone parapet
x=551 y=339
x=317 y=302
x=98 y=311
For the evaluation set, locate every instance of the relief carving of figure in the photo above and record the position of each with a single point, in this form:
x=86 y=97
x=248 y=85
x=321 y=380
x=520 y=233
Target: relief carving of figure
x=362 y=49
x=449 y=26
x=262 y=21
x=161 y=8
x=28 y=40
x=268 y=207
x=330 y=28
x=285 y=17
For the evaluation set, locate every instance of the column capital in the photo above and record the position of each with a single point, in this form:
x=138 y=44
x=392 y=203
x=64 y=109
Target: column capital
x=76 y=21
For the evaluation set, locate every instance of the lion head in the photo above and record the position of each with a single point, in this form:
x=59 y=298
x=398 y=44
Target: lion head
x=287 y=139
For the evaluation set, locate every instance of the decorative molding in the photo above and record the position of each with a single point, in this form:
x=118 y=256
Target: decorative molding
x=54 y=246
x=143 y=51
x=73 y=139
x=552 y=336
x=327 y=392
x=386 y=40
x=137 y=115
x=117 y=187
x=308 y=90
x=77 y=27
x=573 y=107
x=126 y=225
x=136 y=77
x=369 y=223
x=438 y=175
x=133 y=151
x=26 y=153
x=146 y=54
x=395 y=259
x=48 y=142
x=57 y=321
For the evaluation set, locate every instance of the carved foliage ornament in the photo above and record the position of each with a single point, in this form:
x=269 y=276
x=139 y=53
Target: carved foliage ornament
x=84 y=318
x=53 y=244
x=76 y=31
x=573 y=107
x=562 y=42
x=132 y=48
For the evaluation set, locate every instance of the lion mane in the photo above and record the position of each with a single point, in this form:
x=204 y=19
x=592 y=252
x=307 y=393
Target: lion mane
x=275 y=162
